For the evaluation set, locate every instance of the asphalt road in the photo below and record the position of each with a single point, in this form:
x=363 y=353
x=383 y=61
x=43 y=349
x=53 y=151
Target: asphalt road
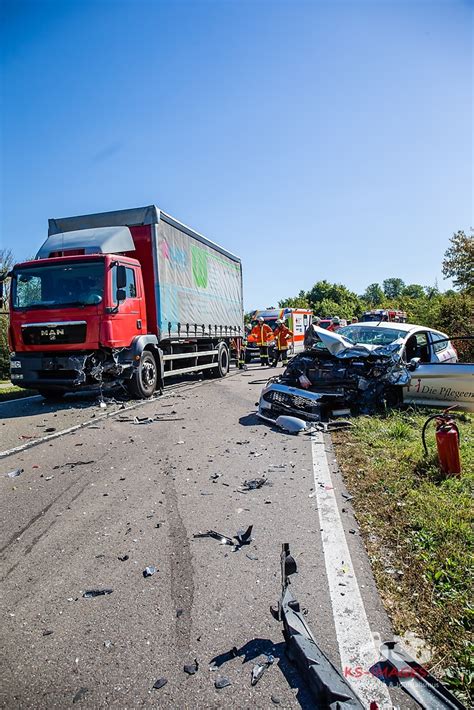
x=121 y=489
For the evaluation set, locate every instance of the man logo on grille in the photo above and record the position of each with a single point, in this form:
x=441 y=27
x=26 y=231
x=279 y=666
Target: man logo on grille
x=52 y=334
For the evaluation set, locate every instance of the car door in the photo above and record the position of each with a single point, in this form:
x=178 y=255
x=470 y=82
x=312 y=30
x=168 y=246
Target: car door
x=442 y=385
x=127 y=322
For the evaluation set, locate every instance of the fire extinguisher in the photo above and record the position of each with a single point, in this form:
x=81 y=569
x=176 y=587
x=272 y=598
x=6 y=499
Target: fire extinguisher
x=447 y=442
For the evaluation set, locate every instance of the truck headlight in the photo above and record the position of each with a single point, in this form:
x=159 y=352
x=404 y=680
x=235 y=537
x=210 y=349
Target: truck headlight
x=16 y=377
x=15 y=364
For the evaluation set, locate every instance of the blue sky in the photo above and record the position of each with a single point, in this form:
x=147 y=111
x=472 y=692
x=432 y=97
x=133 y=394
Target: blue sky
x=316 y=140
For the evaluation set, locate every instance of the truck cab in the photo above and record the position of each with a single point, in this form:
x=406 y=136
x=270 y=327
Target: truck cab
x=68 y=313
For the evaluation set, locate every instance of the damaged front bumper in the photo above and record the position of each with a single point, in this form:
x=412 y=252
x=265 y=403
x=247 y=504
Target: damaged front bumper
x=63 y=372
x=278 y=400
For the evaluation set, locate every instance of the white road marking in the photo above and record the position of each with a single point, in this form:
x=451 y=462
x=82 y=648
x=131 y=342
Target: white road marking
x=356 y=643
x=20 y=399
x=177 y=388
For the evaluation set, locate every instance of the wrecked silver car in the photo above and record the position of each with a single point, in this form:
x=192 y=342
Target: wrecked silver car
x=335 y=377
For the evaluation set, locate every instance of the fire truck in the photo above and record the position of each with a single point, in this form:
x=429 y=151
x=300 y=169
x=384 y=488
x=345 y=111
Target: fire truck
x=383 y=314
x=296 y=319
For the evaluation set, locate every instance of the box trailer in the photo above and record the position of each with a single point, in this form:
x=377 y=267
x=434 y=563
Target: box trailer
x=130 y=296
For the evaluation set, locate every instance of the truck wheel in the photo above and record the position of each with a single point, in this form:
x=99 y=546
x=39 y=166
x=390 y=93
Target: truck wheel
x=145 y=378
x=222 y=364
x=52 y=395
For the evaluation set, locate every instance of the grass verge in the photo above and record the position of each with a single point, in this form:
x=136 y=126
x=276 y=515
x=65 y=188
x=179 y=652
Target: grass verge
x=418 y=530
x=8 y=391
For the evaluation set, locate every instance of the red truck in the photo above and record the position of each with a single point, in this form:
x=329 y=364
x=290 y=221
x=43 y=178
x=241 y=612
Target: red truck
x=131 y=296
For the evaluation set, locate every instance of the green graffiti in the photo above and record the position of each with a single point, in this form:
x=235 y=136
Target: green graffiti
x=199 y=257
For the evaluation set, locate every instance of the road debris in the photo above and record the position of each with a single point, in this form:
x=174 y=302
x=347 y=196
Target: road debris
x=192 y=668
x=47 y=632
x=90 y=593
x=73 y=464
x=292 y=425
x=123 y=558
x=255 y=483
x=223 y=539
x=160 y=683
x=149 y=571
x=259 y=669
x=80 y=694
x=143 y=420
x=418 y=683
x=14 y=474
x=243 y=537
x=328 y=687
x=222 y=682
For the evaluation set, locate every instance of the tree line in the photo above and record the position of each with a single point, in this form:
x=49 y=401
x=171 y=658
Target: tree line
x=451 y=311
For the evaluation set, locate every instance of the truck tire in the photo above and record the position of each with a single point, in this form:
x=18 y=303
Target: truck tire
x=223 y=360
x=52 y=395
x=145 y=378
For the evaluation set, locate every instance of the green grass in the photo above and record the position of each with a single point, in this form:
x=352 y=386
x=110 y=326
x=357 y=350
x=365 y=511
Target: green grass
x=10 y=391
x=418 y=528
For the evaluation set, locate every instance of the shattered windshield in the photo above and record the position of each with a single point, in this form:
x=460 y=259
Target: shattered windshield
x=54 y=286
x=371 y=335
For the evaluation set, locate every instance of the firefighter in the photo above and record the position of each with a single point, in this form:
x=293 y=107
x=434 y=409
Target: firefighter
x=243 y=345
x=262 y=334
x=335 y=324
x=283 y=337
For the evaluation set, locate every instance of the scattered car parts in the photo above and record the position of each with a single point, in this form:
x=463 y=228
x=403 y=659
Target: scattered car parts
x=243 y=537
x=327 y=685
x=417 y=681
x=90 y=593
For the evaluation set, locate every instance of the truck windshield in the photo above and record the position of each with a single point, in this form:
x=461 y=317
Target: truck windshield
x=55 y=286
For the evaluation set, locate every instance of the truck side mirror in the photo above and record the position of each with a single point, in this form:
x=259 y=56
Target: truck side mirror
x=121 y=278
x=121 y=295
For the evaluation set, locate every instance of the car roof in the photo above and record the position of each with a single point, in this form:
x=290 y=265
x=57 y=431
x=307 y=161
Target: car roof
x=407 y=327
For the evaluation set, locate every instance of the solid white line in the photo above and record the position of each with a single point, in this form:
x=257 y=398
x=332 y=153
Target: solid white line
x=20 y=399
x=88 y=422
x=185 y=387
x=356 y=643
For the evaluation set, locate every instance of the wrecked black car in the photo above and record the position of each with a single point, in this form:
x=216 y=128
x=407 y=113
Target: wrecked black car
x=335 y=377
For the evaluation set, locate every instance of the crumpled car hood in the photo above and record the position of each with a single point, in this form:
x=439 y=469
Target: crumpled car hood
x=342 y=347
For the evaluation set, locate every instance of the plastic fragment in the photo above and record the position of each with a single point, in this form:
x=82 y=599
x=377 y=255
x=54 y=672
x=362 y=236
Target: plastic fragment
x=160 y=683
x=90 y=593
x=222 y=682
x=257 y=672
x=192 y=668
x=292 y=425
x=123 y=558
x=14 y=474
x=80 y=694
x=275 y=700
x=255 y=483
x=149 y=571
x=243 y=536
